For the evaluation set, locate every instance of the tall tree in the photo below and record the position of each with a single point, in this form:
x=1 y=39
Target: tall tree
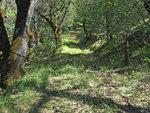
x=13 y=62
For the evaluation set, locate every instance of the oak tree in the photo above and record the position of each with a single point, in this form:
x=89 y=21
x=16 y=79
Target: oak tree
x=14 y=54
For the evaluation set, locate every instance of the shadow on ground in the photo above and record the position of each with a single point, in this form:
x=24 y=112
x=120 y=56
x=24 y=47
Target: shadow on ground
x=76 y=60
x=86 y=99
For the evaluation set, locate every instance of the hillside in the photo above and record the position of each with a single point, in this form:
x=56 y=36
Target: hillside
x=73 y=80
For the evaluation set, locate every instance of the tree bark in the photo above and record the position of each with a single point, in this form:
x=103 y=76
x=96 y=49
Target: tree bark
x=4 y=47
x=126 y=52
x=13 y=66
x=4 y=42
x=36 y=31
x=85 y=31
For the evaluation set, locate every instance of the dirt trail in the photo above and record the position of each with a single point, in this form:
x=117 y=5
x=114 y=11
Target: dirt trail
x=66 y=93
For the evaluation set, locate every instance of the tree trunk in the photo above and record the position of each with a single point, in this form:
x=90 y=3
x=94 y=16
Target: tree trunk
x=85 y=31
x=4 y=42
x=36 y=31
x=4 y=46
x=126 y=52
x=13 y=67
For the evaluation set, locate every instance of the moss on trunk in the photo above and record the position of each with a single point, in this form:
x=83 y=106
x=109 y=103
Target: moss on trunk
x=13 y=66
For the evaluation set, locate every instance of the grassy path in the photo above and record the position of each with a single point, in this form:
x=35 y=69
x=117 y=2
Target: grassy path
x=69 y=82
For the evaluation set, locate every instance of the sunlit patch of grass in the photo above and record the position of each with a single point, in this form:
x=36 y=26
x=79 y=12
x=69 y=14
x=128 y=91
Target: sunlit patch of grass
x=87 y=51
x=84 y=81
x=66 y=49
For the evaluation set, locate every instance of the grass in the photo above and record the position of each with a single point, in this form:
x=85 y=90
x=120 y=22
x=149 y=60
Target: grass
x=73 y=81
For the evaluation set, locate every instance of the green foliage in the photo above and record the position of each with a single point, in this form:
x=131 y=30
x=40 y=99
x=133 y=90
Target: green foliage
x=146 y=59
x=45 y=49
x=111 y=17
x=10 y=10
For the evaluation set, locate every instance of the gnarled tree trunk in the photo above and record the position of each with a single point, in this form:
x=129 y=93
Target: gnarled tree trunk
x=13 y=66
x=4 y=42
x=57 y=26
x=4 y=46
